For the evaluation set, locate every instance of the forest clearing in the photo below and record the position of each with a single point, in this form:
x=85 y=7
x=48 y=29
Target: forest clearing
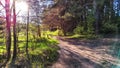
x=59 y=33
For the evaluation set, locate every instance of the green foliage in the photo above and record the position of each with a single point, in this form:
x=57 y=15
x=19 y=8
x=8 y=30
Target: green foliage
x=90 y=22
x=53 y=33
x=45 y=51
x=76 y=36
x=60 y=33
x=42 y=51
x=109 y=27
x=50 y=34
x=67 y=16
x=89 y=17
x=79 y=30
x=88 y=36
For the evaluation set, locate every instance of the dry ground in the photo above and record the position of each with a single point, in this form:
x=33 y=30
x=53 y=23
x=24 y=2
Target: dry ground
x=95 y=53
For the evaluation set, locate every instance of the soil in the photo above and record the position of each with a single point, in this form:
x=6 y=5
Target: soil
x=81 y=53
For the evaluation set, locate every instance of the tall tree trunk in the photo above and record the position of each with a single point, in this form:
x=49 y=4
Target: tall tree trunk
x=112 y=15
x=38 y=21
x=14 y=33
x=39 y=31
x=38 y=25
x=8 y=31
x=27 y=30
x=97 y=16
x=85 y=21
x=97 y=21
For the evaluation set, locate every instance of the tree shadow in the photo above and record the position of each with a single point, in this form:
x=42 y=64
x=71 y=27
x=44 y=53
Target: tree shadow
x=100 y=47
x=91 y=43
x=73 y=59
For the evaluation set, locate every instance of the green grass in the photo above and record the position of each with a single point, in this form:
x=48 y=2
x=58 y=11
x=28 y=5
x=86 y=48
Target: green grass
x=89 y=36
x=53 y=33
x=42 y=51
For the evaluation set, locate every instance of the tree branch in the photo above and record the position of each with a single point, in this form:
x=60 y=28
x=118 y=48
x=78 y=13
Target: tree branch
x=18 y=12
x=2 y=4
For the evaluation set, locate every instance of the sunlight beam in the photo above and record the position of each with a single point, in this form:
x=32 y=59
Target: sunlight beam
x=2 y=4
x=22 y=6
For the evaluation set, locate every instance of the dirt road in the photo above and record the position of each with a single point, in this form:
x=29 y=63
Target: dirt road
x=85 y=54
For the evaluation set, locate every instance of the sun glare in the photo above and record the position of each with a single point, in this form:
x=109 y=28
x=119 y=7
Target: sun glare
x=21 y=6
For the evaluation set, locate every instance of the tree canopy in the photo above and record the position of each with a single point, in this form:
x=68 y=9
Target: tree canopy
x=83 y=16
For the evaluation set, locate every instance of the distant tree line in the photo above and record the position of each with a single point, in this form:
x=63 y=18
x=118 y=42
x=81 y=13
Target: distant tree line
x=84 y=16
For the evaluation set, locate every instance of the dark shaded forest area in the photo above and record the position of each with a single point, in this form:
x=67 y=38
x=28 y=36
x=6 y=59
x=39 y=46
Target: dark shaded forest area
x=84 y=17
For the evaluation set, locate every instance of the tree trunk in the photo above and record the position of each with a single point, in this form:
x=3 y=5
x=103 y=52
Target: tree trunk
x=97 y=21
x=85 y=21
x=27 y=30
x=8 y=31
x=64 y=32
x=39 y=32
x=14 y=33
x=97 y=17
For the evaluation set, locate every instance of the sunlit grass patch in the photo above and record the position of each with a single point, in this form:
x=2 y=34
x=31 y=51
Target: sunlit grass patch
x=44 y=50
x=54 y=33
x=89 y=36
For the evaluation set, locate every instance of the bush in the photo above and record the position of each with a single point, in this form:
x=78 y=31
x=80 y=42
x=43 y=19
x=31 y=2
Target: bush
x=78 y=30
x=90 y=22
x=109 y=28
x=60 y=33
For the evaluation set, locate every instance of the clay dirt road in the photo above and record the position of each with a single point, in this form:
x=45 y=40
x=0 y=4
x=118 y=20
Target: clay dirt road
x=76 y=53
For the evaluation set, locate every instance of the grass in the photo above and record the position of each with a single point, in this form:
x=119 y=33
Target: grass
x=52 y=33
x=42 y=51
x=89 y=36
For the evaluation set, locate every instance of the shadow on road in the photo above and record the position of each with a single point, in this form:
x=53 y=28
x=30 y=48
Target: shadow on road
x=76 y=53
x=75 y=60
x=92 y=43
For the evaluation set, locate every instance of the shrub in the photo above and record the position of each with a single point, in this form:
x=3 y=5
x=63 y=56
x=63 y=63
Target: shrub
x=78 y=30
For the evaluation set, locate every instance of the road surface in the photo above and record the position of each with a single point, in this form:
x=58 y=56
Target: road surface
x=84 y=54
